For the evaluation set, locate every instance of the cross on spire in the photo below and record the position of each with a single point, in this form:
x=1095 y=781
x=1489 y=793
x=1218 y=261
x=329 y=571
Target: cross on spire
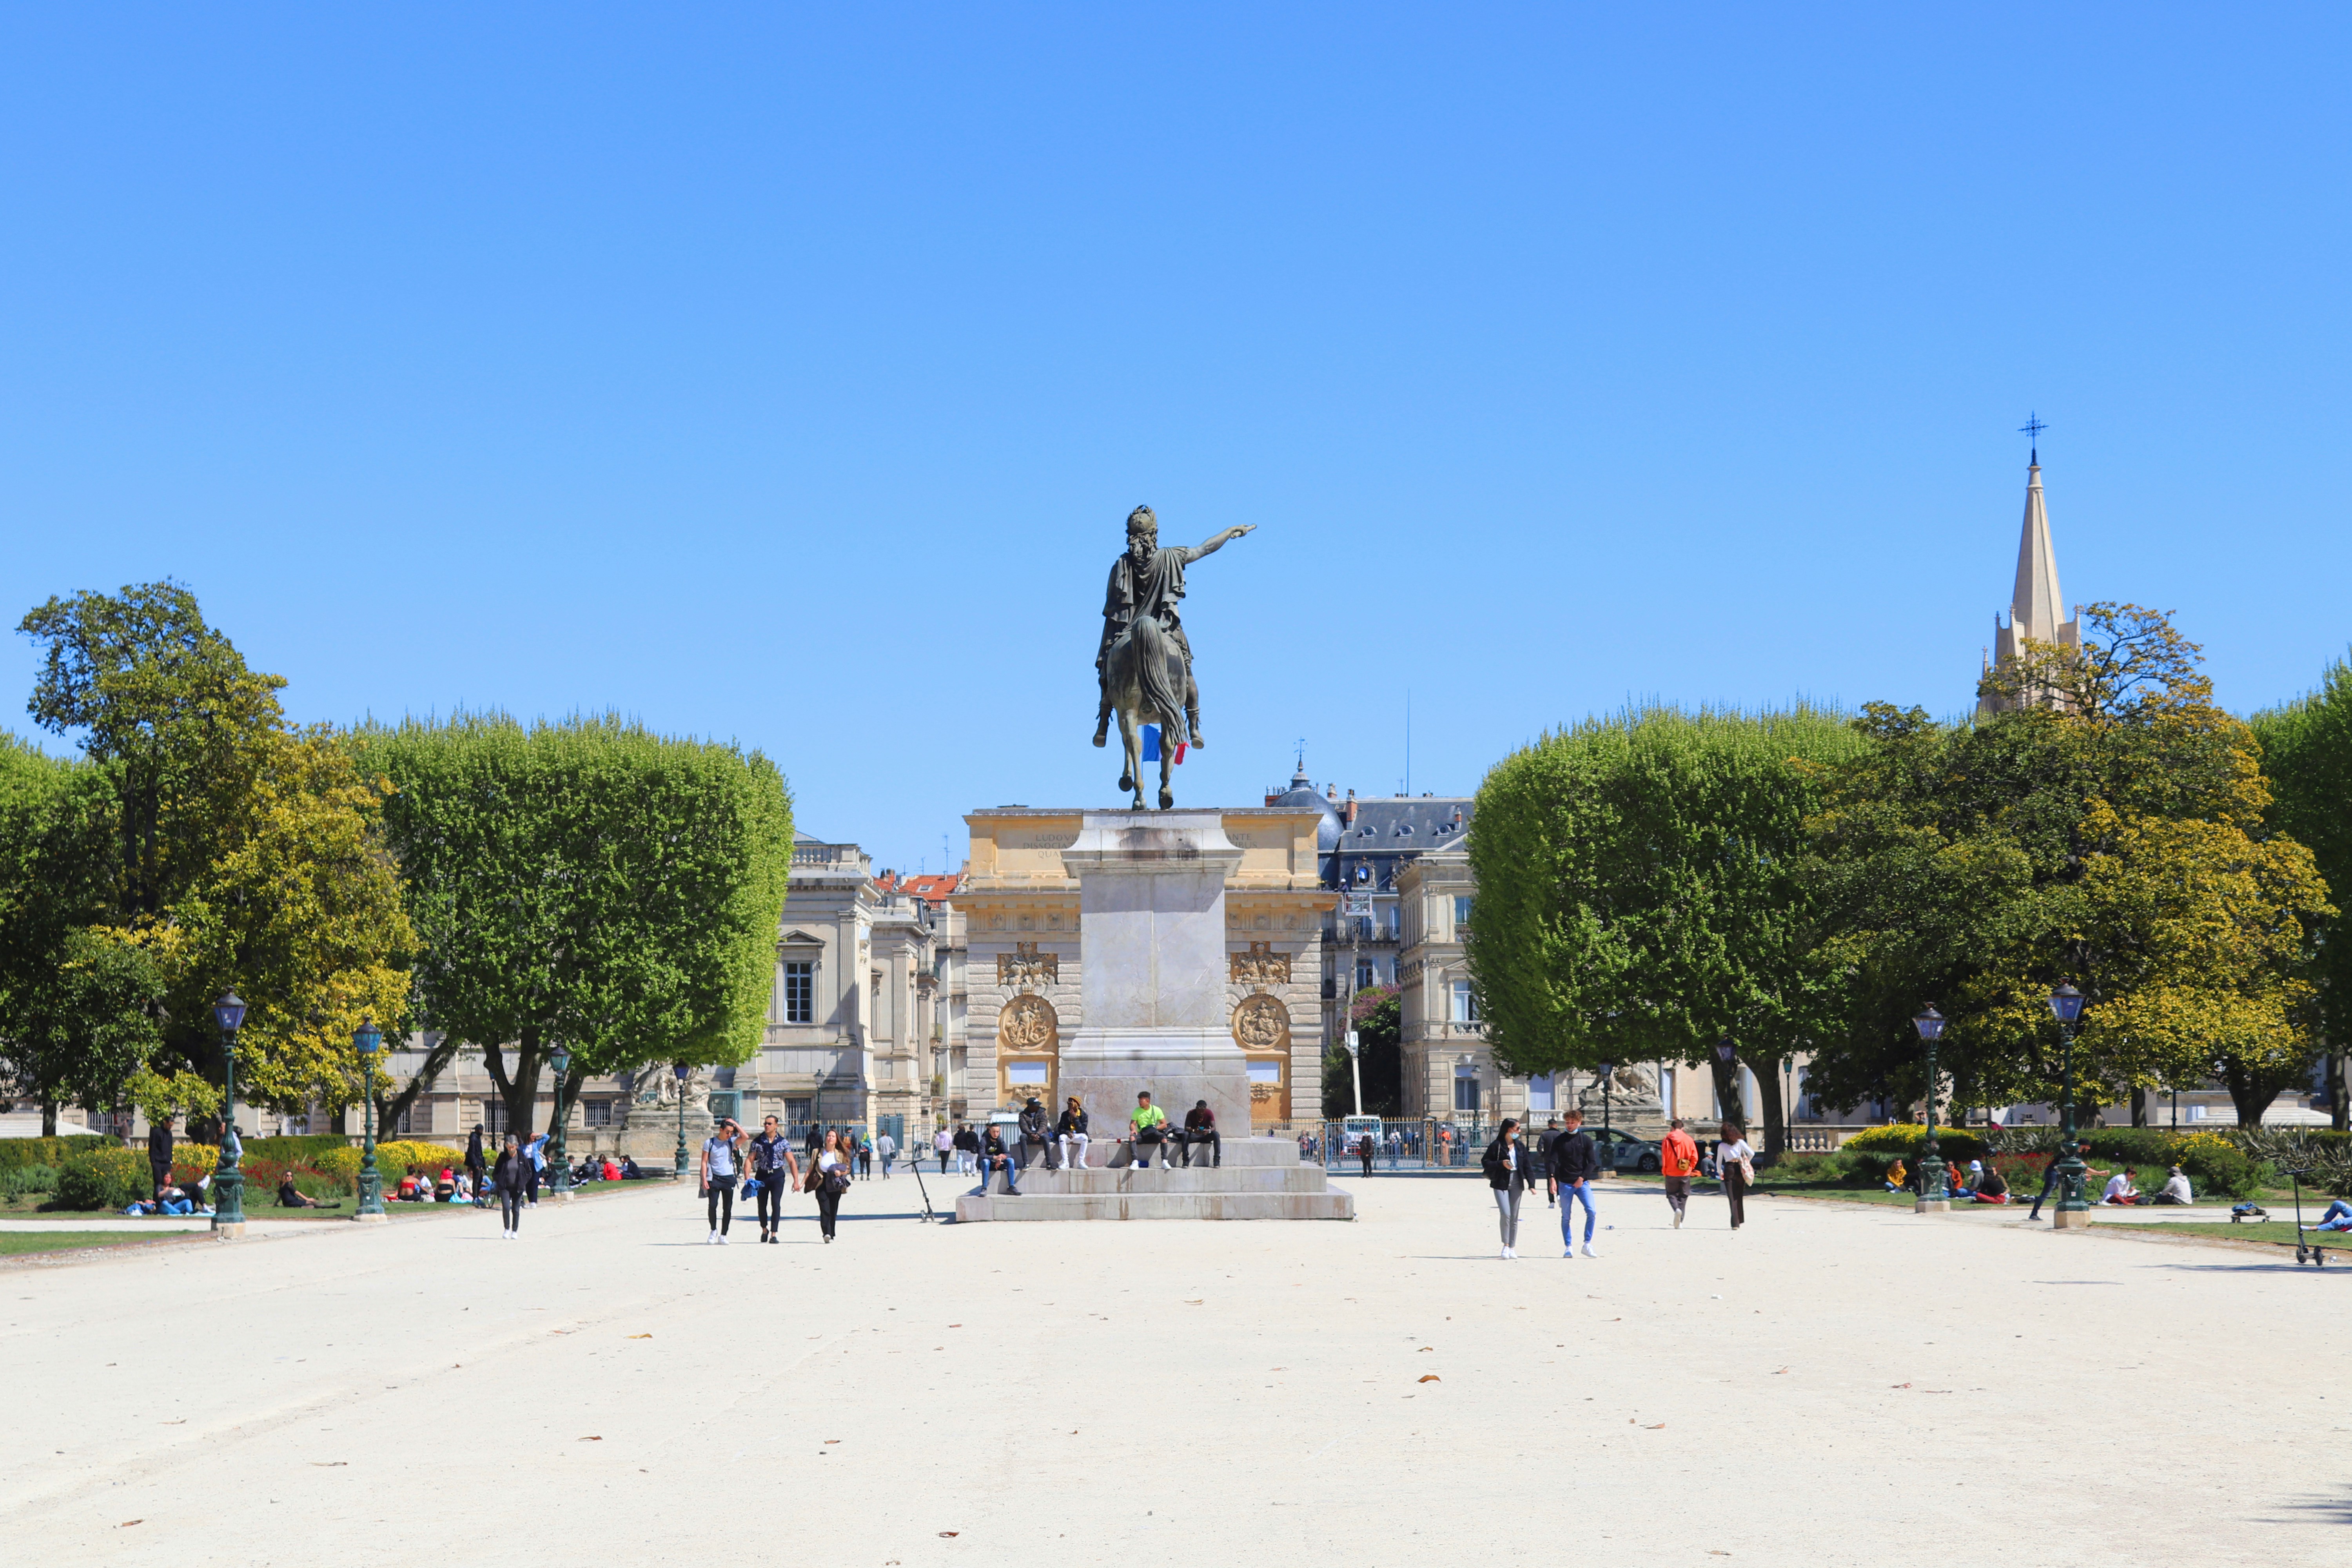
x=2033 y=426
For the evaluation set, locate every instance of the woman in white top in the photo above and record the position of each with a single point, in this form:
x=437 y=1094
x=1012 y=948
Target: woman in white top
x=942 y=1144
x=828 y=1179
x=1736 y=1160
x=723 y=1164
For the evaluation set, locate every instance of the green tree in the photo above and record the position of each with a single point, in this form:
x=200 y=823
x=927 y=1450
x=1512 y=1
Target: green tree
x=2110 y=834
x=585 y=883
x=1376 y=1018
x=1640 y=895
x=241 y=854
x=2307 y=756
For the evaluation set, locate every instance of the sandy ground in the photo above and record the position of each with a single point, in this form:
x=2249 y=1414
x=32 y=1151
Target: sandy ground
x=1829 y=1385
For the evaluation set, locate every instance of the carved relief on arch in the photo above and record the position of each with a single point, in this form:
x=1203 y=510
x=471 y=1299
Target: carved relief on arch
x=1027 y=1024
x=1261 y=1023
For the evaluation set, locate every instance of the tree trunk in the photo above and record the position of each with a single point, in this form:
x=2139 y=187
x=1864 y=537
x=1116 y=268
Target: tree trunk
x=49 y=1116
x=435 y=1062
x=520 y=1094
x=1726 y=1086
x=2139 y=1107
x=1776 y=1124
x=2338 y=1113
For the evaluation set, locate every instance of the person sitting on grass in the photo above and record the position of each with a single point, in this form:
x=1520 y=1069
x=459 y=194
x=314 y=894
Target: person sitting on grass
x=2337 y=1217
x=1964 y=1183
x=1994 y=1186
x=1897 y=1179
x=2176 y=1193
x=444 y=1187
x=291 y=1196
x=142 y=1207
x=612 y=1170
x=2120 y=1190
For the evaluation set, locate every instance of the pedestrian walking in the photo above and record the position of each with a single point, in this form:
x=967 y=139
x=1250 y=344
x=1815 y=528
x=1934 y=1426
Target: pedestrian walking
x=865 y=1157
x=1510 y=1171
x=158 y=1154
x=1575 y=1166
x=475 y=1166
x=1396 y=1147
x=512 y=1177
x=886 y=1149
x=1543 y=1162
x=1364 y=1148
x=535 y=1155
x=1070 y=1134
x=722 y=1165
x=967 y=1148
x=1678 y=1162
x=1737 y=1162
x=828 y=1178
x=942 y=1144
x=776 y=1172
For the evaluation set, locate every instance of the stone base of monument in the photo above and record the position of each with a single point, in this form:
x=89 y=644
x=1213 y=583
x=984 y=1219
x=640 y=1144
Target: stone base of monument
x=1260 y=1178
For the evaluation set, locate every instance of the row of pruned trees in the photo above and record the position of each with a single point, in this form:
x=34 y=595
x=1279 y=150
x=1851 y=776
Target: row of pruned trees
x=511 y=885
x=1660 y=881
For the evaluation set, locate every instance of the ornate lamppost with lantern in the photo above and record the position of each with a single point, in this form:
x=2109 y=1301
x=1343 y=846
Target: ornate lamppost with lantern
x=367 y=1039
x=1931 y=1200
x=560 y=1060
x=228 y=1180
x=2072 y=1212
x=1608 y=1144
x=683 y=1072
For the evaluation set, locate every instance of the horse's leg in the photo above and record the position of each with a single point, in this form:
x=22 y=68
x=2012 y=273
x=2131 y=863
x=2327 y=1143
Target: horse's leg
x=1166 y=761
x=1132 y=747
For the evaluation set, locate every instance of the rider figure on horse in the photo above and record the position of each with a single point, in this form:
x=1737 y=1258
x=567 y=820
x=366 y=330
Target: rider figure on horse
x=1150 y=580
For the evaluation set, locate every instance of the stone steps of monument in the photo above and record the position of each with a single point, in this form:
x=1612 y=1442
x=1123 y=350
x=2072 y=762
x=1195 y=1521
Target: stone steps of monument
x=1199 y=1179
x=1145 y=1205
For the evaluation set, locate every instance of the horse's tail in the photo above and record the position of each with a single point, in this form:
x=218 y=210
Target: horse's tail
x=1155 y=655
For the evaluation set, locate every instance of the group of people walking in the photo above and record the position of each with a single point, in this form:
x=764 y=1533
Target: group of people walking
x=1566 y=1164
x=766 y=1169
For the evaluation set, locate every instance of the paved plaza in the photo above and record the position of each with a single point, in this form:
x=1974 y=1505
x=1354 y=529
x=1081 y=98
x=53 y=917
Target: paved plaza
x=1829 y=1386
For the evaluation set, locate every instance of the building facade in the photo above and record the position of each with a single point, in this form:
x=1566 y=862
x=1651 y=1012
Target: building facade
x=1023 y=981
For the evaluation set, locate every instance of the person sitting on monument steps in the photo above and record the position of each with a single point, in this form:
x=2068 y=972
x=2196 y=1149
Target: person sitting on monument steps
x=1037 y=1133
x=1148 y=1126
x=1200 y=1126
x=1070 y=1132
x=992 y=1159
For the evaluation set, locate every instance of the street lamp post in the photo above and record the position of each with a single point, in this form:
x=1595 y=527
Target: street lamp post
x=684 y=1073
x=2072 y=1212
x=1609 y=1160
x=1356 y=1067
x=560 y=1060
x=1930 y=1024
x=229 y=1180
x=367 y=1039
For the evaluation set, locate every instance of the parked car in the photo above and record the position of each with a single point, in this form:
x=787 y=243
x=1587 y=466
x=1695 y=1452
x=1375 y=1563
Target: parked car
x=1621 y=1151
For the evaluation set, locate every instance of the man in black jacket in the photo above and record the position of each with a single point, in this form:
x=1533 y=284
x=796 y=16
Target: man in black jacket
x=1200 y=1126
x=158 y=1154
x=1037 y=1133
x=1543 y=1162
x=1575 y=1166
x=992 y=1159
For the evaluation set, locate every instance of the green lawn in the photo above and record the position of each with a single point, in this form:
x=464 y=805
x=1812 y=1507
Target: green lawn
x=15 y=1241
x=2279 y=1232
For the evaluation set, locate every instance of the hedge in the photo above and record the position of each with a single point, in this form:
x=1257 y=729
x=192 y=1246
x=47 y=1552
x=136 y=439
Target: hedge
x=393 y=1160
x=16 y=1151
x=1904 y=1138
x=102 y=1179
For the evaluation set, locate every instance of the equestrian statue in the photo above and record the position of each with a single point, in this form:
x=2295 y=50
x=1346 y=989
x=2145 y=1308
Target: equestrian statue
x=1145 y=662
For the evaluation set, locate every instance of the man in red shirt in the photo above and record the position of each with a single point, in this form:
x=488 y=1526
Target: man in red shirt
x=1678 y=1159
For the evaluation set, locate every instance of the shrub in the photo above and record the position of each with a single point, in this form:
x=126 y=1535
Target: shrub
x=1819 y=1169
x=23 y=1181
x=102 y=1179
x=50 y=1151
x=301 y=1150
x=192 y=1162
x=1904 y=1138
x=393 y=1160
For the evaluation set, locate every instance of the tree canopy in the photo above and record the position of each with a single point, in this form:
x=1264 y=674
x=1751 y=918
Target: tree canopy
x=585 y=883
x=2307 y=756
x=1640 y=894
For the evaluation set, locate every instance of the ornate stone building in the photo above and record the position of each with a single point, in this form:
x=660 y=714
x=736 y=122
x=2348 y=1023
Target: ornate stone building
x=1020 y=907
x=2036 y=604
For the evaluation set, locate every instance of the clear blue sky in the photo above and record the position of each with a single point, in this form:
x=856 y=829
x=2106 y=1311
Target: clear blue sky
x=785 y=375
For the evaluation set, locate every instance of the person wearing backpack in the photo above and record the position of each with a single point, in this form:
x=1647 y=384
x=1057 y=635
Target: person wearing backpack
x=721 y=1165
x=1678 y=1162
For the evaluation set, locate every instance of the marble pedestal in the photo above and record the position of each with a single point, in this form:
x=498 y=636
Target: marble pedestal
x=1151 y=958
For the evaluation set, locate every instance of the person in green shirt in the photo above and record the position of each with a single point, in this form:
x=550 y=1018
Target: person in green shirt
x=1148 y=1126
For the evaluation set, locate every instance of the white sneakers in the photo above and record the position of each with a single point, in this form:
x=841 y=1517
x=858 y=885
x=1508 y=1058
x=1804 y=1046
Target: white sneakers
x=1589 y=1251
x=1510 y=1252
x=1678 y=1219
x=713 y=1241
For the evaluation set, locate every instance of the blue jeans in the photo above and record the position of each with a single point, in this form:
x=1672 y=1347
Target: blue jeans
x=990 y=1166
x=1569 y=1196
x=2338 y=1210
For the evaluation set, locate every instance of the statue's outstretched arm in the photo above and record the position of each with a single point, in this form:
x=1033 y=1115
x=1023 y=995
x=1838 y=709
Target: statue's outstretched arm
x=1217 y=542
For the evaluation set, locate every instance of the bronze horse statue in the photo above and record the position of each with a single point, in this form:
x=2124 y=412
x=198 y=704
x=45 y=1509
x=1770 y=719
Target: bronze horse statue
x=1145 y=661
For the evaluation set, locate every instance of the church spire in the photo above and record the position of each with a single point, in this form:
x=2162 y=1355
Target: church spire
x=2035 y=609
